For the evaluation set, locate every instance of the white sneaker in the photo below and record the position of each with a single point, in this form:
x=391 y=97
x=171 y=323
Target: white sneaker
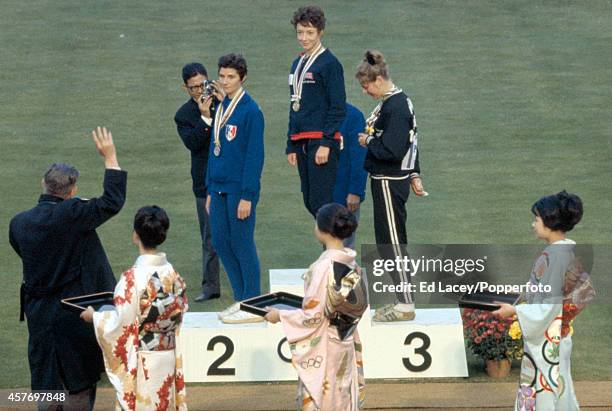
x=390 y=312
x=241 y=317
x=229 y=310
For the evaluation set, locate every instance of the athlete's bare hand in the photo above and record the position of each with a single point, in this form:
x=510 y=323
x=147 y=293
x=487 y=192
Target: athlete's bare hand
x=244 y=209
x=322 y=155
x=292 y=159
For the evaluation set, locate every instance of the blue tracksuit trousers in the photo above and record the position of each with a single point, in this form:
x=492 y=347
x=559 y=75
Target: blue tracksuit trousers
x=234 y=241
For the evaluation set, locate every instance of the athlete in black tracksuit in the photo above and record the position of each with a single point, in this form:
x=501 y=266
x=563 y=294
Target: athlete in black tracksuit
x=392 y=161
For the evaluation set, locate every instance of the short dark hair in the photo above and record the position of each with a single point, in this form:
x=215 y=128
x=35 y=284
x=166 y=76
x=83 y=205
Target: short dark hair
x=235 y=61
x=309 y=16
x=151 y=223
x=337 y=220
x=193 y=69
x=60 y=178
x=559 y=212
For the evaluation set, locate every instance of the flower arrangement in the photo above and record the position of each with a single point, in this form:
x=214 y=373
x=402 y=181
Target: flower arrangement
x=490 y=337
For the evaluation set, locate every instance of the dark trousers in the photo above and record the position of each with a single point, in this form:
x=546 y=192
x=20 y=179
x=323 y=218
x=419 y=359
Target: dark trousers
x=210 y=259
x=389 y=200
x=234 y=240
x=317 y=181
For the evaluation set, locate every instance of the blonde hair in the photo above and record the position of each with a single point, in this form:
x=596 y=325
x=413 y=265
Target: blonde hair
x=372 y=66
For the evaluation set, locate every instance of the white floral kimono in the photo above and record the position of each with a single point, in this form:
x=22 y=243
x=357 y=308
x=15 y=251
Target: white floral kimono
x=138 y=336
x=330 y=369
x=546 y=382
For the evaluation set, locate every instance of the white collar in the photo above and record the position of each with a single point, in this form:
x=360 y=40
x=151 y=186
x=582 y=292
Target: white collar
x=565 y=241
x=158 y=259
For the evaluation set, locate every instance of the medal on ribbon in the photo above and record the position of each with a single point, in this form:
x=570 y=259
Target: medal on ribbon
x=221 y=117
x=298 y=81
x=369 y=128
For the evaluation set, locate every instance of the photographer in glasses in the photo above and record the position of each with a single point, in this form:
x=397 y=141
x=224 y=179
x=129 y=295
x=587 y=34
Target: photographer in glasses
x=193 y=122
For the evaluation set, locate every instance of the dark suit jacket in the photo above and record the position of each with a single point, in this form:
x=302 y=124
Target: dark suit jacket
x=196 y=135
x=62 y=257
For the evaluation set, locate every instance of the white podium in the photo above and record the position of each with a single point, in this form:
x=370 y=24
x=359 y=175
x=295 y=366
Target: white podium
x=429 y=346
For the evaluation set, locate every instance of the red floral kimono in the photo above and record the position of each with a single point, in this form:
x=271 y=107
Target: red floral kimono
x=138 y=336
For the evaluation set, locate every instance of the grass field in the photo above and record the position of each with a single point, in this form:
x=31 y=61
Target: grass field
x=512 y=98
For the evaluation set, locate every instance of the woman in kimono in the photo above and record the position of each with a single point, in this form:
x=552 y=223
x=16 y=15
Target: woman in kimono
x=138 y=334
x=322 y=335
x=545 y=321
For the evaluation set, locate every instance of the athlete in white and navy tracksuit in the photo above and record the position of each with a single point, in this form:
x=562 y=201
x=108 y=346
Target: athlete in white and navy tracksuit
x=392 y=160
x=232 y=176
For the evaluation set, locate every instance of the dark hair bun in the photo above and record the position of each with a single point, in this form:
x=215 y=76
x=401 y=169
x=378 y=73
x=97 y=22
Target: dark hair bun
x=337 y=220
x=151 y=223
x=370 y=58
x=372 y=66
x=560 y=212
x=570 y=207
x=374 y=57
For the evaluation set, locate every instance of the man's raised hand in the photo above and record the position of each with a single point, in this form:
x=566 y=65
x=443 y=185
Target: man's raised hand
x=104 y=143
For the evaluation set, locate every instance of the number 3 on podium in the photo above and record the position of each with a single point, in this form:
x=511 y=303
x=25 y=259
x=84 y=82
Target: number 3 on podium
x=421 y=351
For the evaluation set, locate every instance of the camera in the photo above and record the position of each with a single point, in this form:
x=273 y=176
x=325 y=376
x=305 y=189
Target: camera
x=208 y=89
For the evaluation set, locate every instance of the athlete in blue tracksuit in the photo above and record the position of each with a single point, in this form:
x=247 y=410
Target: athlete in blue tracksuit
x=233 y=179
x=351 y=177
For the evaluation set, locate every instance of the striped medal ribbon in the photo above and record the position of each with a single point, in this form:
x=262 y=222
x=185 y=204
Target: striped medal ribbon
x=369 y=129
x=297 y=82
x=221 y=117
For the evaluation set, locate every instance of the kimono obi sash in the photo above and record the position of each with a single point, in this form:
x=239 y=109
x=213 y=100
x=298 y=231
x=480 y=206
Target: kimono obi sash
x=578 y=291
x=347 y=298
x=161 y=312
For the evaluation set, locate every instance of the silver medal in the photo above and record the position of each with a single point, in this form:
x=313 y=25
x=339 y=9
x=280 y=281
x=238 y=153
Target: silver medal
x=217 y=151
x=296 y=106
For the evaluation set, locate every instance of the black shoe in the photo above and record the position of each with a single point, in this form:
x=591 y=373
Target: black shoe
x=206 y=296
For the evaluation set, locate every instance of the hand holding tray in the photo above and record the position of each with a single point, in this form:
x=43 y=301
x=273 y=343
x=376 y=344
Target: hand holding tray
x=80 y=303
x=487 y=301
x=279 y=300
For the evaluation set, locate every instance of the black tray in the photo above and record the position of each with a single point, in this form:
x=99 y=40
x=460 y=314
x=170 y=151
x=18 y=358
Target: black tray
x=280 y=300
x=486 y=301
x=80 y=303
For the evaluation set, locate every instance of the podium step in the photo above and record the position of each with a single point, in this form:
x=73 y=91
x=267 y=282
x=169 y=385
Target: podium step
x=211 y=320
x=431 y=345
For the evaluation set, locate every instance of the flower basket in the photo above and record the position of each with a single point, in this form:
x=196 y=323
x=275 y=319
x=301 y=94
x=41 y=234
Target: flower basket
x=494 y=340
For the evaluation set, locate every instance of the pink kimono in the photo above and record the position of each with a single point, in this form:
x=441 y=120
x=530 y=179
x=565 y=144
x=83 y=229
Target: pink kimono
x=330 y=370
x=138 y=337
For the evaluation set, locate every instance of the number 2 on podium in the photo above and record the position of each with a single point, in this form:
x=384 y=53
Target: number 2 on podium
x=215 y=367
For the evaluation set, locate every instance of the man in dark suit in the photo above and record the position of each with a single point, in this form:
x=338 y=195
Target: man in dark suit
x=62 y=257
x=193 y=122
